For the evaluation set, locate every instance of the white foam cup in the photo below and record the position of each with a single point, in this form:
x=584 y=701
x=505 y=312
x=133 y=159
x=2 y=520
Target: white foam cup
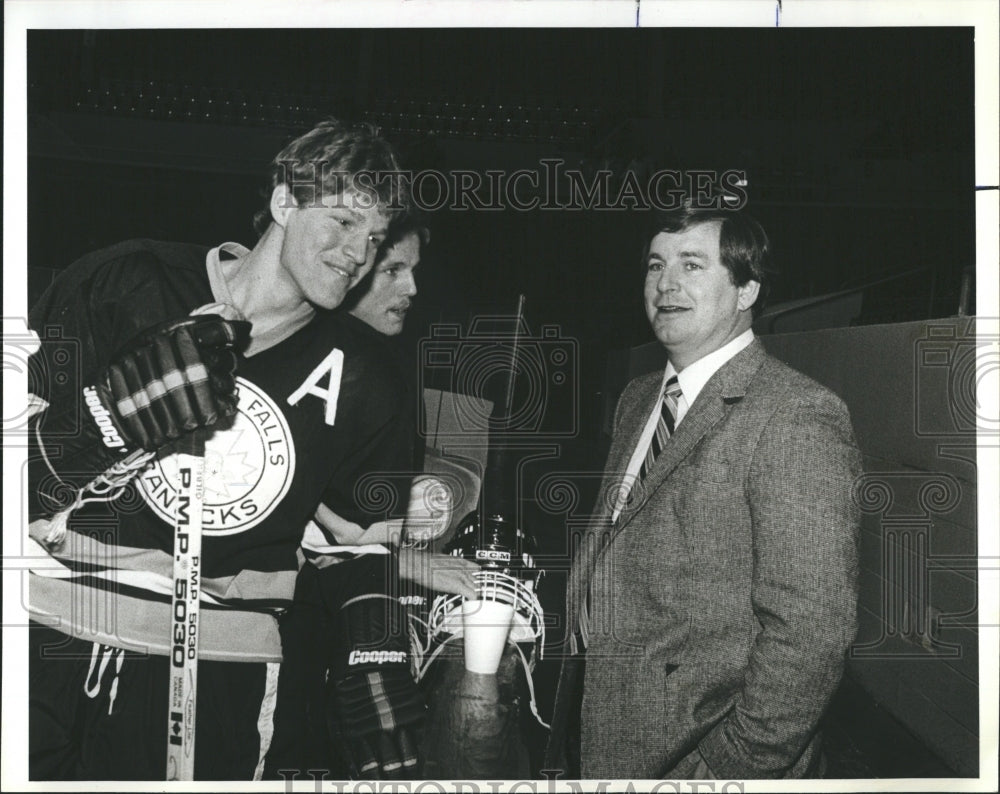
x=487 y=624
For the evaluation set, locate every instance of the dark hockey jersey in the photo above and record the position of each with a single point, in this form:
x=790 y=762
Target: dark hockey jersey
x=319 y=417
x=321 y=545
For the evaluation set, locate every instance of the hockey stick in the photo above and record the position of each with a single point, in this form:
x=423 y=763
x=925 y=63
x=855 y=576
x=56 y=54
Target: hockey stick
x=184 y=621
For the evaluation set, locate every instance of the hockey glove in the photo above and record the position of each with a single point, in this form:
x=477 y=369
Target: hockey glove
x=375 y=701
x=170 y=380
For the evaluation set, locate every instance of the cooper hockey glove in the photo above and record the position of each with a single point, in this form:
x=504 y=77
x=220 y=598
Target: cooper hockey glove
x=170 y=380
x=376 y=705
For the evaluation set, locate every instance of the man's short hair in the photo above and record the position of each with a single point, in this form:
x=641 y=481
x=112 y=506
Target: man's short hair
x=402 y=226
x=339 y=152
x=743 y=245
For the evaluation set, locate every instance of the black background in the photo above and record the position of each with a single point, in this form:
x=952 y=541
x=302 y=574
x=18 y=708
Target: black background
x=857 y=144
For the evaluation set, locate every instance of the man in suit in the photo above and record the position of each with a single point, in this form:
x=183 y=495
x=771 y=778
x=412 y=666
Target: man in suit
x=713 y=597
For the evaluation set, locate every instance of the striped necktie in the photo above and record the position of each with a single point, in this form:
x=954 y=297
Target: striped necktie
x=665 y=425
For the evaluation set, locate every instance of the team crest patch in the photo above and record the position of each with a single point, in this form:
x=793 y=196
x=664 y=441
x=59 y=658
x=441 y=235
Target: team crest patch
x=249 y=464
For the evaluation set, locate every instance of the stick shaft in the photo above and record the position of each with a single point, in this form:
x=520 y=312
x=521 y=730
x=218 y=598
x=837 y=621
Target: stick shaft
x=512 y=372
x=185 y=613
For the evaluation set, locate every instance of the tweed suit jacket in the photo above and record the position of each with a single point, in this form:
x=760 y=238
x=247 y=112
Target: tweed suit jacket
x=723 y=599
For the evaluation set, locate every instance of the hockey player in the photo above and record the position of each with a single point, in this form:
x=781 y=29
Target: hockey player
x=386 y=295
x=382 y=302
x=322 y=638
x=147 y=343
x=472 y=725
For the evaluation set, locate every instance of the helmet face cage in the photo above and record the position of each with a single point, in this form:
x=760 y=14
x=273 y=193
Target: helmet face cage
x=528 y=622
x=508 y=575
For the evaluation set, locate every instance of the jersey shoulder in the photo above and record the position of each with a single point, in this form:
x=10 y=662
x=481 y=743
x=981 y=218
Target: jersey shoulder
x=372 y=386
x=367 y=355
x=143 y=279
x=126 y=267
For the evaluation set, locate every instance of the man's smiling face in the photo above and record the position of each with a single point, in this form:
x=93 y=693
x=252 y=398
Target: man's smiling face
x=327 y=250
x=691 y=301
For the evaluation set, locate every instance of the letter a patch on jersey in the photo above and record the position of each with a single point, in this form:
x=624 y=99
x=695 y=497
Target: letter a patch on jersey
x=333 y=365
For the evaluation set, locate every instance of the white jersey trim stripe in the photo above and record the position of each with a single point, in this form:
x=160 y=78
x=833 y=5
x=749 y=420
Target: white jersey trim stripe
x=265 y=720
x=123 y=621
x=149 y=569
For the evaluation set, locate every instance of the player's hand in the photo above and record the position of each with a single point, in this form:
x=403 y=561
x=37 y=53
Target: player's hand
x=171 y=379
x=366 y=706
x=439 y=572
x=376 y=705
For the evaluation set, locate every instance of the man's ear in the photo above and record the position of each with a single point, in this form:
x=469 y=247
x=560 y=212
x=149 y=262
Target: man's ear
x=282 y=204
x=748 y=295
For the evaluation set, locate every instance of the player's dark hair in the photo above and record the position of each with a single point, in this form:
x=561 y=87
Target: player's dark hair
x=402 y=226
x=331 y=156
x=743 y=244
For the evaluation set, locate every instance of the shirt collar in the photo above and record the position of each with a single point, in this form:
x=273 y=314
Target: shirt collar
x=693 y=377
x=218 y=270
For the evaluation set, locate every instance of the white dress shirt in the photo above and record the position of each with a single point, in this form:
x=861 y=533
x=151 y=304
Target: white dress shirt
x=692 y=380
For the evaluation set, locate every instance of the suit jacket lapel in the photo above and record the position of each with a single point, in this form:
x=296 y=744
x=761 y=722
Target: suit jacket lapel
x=724 y=388
x=632 y=420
